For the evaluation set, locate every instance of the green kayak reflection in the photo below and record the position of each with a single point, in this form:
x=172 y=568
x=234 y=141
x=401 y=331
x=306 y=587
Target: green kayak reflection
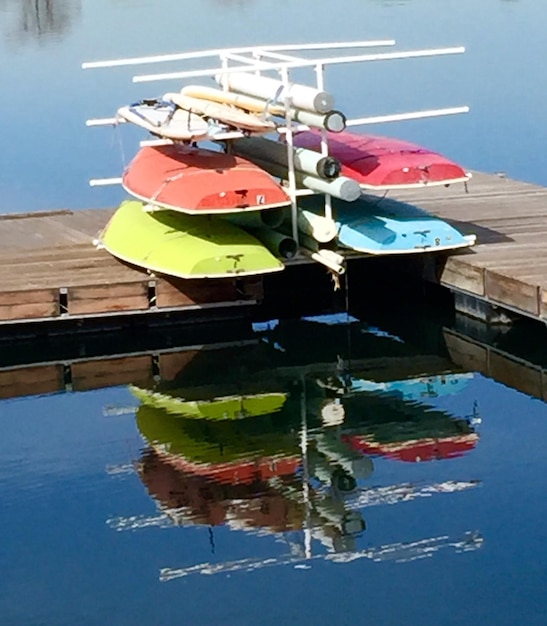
x=220 y=408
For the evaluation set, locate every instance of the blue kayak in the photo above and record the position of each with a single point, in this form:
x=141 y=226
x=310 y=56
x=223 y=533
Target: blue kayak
x=384 y=226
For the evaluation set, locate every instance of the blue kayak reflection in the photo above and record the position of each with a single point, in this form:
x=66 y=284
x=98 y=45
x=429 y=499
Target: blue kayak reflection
x=287 y=444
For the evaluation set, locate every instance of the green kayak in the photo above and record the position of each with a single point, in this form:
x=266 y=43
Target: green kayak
x=187 y=246
x=224 y=408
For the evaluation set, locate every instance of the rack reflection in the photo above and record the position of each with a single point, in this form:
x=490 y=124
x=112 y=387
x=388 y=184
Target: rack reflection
x=274 y=439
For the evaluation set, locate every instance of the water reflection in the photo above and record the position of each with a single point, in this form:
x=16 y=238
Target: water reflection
x=279 y=441
x=36 y=19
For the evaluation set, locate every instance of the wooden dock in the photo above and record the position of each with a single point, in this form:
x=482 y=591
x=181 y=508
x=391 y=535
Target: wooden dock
x=51 y=270
x=508 y=266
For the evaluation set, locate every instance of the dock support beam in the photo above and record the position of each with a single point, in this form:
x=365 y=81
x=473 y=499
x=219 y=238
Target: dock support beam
x=481 y=310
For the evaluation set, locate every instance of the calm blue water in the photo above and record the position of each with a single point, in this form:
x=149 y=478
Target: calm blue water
x=360 y=472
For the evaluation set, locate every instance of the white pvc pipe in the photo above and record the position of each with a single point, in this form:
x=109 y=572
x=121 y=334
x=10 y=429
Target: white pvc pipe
x=200 y=54
x=329 y=263
x=301 y=96
x=155 y=143
x=410 y=54
x=332 y=255
x=415 y=115
x=342 y=187
x=275 y=55
x=304 y=160
x=254 y=61
x=103 y=182
x=105 y=121
x=320 y=228
x=320 y=77
x=290 y=153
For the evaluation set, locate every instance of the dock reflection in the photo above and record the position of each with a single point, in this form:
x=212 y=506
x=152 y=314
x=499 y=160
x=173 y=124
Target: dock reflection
x=281 y=441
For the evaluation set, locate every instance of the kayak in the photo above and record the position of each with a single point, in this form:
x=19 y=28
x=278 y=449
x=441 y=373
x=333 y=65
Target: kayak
x=384 y=226
x=199 y=181
x=185 y=246
x=381 y=163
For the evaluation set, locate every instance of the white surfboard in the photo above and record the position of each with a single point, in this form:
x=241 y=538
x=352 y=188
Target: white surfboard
x=164 y=119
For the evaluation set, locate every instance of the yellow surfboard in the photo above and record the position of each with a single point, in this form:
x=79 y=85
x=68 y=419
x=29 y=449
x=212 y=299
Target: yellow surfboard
x=222 y=112
x=334 y=121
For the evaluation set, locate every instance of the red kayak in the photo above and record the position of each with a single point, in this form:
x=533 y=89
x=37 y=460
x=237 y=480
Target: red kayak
x=194 y=180
x=416 y=450
x=385 y=163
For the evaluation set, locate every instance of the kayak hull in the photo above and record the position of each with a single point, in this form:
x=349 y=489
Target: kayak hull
x=198 y=181
x=184 y=246
x=384 y=226
x=382 y=163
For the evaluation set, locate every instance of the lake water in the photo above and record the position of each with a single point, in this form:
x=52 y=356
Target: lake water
x=378 y=467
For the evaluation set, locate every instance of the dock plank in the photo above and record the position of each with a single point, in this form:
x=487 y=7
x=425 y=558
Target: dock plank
x=29 y=304
x=173 y=292
x=107 y=298
x=512 y=292
x=508 y=265
x=459 y=273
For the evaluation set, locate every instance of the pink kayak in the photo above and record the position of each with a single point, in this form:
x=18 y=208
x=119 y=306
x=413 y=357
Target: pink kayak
x=383 y=162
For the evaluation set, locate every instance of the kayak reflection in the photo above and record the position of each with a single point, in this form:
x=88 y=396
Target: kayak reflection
x=288 y=444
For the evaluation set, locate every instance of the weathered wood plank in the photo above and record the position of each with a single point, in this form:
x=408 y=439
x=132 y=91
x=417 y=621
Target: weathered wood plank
x=107 y=298
x=481 y=185
x=28 y=381
x=179 y=292
x=31 y=304
x=475 y=209
x=511 y=292
x=135 y=370
x=543 y=303
x=508 y=258
x=66 y=273
x=457 y=273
